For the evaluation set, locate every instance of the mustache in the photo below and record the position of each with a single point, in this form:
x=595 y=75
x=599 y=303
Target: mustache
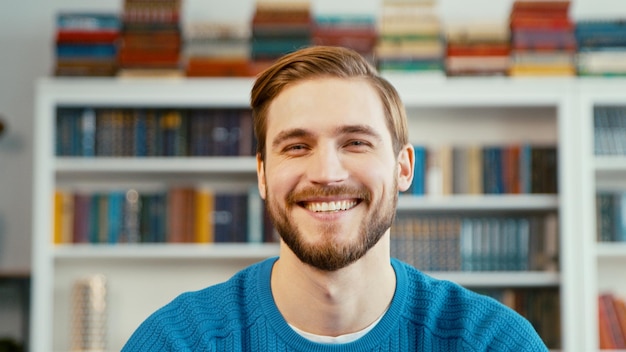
x=296 y=196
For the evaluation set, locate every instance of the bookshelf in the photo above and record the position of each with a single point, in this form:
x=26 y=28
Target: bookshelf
x=602 y=172
x=143 y=277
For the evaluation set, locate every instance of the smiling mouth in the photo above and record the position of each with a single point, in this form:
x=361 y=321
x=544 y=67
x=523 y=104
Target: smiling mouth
x=320 y=207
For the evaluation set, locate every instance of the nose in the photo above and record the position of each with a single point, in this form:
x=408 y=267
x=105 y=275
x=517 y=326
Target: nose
x=327 y=166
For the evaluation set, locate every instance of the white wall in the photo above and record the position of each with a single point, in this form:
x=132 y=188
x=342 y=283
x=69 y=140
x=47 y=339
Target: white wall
x=26 y=53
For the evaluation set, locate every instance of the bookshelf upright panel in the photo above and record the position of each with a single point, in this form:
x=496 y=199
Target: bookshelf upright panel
x=603 y=135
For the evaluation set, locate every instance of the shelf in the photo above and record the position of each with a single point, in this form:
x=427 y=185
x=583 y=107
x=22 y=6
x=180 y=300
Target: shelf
x=609 y=164
x=154 y=92
x=480 y=91
x=169 y=170
x=166 y=251
x=501 y=279
x=479 y=202
x=611 y=250
x=128 y=165
x=262 y=251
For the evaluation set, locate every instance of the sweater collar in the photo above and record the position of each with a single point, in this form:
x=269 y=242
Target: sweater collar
x=386 y=326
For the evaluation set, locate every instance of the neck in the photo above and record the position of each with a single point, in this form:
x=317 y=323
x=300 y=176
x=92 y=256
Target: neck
x=334 y=303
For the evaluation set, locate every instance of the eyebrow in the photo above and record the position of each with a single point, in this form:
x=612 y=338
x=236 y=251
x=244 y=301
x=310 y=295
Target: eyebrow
x=341 y=130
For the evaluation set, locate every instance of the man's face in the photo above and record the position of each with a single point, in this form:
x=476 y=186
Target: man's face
x=330 y=176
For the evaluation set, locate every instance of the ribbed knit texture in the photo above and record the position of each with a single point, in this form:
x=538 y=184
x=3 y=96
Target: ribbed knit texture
x=425 y=315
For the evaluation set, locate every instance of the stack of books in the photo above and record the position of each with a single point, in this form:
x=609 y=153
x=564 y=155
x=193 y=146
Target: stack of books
x=543 y=40
x=357 y=32
x=86 y=44
x=612 y=321
x=410 y=38
x=217 y=49
x=279 y=27
x=151 y=38
x=479 y=48
x=601 y=47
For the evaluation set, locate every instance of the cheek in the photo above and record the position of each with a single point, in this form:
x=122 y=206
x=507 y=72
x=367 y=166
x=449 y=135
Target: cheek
x=278 y=180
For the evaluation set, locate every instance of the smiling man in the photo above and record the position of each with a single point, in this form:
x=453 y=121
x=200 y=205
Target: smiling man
x=333 y=154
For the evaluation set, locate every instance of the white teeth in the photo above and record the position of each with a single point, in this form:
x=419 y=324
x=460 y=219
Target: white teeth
x=331 y=206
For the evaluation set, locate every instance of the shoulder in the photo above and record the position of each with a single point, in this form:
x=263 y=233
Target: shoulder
x=209 y=313
x=448 y=309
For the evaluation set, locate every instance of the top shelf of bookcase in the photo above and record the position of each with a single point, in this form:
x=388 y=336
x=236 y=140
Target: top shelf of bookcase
x=609 y=164
x=153 y=92
x=235 y=92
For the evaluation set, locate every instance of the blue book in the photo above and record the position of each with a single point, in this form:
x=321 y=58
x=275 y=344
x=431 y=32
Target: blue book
x=620 y=217
x=94 y=219
x=88 y=132
x=345 y=20
x=87 y=21
x=140 y=133
x=115 y=216
x=66 y=137
x=492 y=170
x=419 y=175
x=223 y=218
x=93 y=51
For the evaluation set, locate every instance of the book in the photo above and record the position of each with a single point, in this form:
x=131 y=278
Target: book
x=204 y=208
x=82 y=209
x=611 y=335
x=87 y=21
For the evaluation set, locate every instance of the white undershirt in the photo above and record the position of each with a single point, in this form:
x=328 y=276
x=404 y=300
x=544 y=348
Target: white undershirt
x=337 y=339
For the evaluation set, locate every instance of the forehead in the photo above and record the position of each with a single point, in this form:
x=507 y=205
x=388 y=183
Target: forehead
x=326 y=102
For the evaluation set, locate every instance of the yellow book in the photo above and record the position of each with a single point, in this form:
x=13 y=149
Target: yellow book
x=204 y=206
x=538 y=70
x=58 y=214
x=63 y=217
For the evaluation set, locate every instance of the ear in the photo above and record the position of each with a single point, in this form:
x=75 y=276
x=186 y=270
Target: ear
x=406 y=167
x=260 y=172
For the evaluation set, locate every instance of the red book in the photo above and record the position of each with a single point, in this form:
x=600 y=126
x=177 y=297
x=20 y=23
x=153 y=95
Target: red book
x=553 y=6
x=77 y=36
x=529 y=22
x=612 y=324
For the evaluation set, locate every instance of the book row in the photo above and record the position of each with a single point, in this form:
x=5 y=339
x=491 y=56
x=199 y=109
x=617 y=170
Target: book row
x=541 y=306
x=537 y=38
x=609 y=123
x=480 y=243
x=611 y=216
x=175 y=215
x=612 y=321
x=114 y=132
x=485 y=169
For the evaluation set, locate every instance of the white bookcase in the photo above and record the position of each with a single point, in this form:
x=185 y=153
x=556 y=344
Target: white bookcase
x=604 y=262
x=143 y=277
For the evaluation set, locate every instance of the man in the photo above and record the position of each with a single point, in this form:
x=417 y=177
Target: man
x=333 y=154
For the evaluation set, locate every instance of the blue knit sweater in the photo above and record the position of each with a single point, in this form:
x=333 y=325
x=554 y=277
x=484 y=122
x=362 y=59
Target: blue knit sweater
x=425 y=315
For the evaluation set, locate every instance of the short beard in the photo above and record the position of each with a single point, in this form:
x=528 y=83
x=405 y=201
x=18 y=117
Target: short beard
x=331 y=256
